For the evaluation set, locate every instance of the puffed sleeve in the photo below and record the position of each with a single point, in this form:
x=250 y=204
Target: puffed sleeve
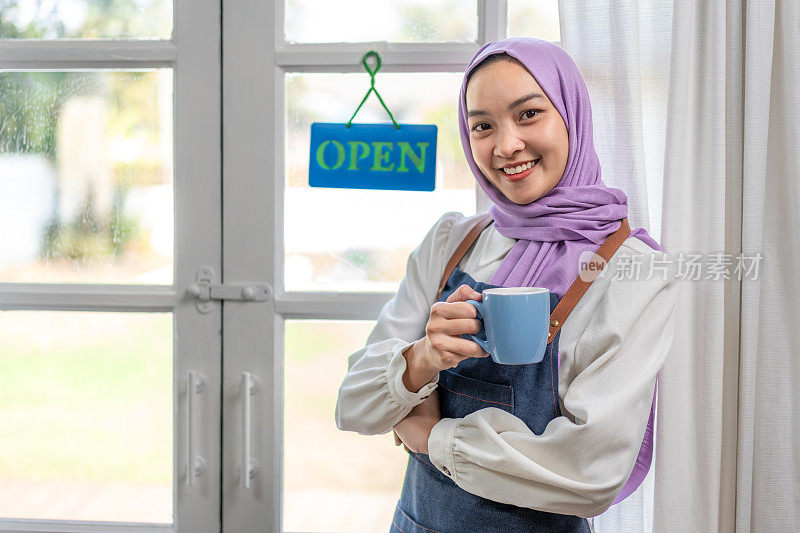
x=372 y=397
x=581 y=461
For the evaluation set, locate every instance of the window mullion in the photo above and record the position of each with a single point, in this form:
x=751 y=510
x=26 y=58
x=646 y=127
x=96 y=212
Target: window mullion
x=492 y=26
x=334 y=306
x=492 y=20
x=398 y=57
x=39 y=54
x=86 y=297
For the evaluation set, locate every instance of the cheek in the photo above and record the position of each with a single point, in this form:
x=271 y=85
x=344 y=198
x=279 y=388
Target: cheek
x=481 y=153
x=560 y=139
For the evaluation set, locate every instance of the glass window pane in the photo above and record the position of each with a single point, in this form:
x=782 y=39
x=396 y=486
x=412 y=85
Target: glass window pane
x=86 y=19
x=351 y=481
x=534 y=19
x=86 y=416
x=398 y=21
x=359 y=240
x=86 y=177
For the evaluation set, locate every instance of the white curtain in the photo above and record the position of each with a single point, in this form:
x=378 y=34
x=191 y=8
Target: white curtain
x=697 y=117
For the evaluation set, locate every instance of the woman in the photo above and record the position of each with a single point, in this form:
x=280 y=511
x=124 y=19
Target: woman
x=536 y=447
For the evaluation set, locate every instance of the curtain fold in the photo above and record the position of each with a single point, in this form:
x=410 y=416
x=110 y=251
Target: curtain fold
x=768 y=455
x=697 y=117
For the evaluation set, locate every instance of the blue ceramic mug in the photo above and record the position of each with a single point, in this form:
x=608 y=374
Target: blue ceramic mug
x=515 y=324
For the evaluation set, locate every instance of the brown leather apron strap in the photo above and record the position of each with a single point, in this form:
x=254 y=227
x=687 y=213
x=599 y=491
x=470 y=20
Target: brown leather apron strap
x=462 y=250
x=580 y=286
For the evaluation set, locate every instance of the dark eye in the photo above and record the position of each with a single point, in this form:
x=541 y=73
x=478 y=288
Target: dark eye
x=477 y=126
x=530 y=113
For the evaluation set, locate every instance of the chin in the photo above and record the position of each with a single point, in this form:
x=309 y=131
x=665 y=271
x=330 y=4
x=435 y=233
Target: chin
x=520 y=197
x=525 y=201
x=524 y=198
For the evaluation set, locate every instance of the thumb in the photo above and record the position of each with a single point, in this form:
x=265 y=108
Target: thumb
x=464 y=293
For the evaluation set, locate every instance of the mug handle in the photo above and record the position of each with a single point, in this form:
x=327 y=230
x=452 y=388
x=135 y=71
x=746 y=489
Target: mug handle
x=482 y=343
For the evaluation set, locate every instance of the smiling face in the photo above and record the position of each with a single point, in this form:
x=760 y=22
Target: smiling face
x=518 y=138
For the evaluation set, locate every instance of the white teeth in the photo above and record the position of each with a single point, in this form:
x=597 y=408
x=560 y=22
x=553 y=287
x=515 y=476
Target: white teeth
x=518 y=168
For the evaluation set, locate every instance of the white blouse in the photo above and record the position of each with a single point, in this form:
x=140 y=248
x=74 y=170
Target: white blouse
x=611 y=347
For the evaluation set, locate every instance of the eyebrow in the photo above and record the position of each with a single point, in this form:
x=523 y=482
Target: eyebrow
x=511 y=106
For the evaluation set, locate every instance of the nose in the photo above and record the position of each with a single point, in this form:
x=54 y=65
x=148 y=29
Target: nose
x=508 y=143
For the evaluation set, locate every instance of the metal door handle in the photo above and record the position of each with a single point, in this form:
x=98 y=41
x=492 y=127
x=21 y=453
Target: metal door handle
x=195 y=464
x=249 y=465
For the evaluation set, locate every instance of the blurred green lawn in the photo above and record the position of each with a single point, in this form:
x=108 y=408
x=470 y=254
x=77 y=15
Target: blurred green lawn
x=88 y=396
x=310 y=342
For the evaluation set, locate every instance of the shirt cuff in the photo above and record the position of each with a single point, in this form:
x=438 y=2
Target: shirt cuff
x=440 y=446
x=394 y=380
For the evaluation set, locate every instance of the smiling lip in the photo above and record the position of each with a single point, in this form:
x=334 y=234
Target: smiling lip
x=517 y=177
x=512 y=165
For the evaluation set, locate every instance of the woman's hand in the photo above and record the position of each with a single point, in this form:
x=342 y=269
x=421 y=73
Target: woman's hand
x=415 y=429
x=442 y=347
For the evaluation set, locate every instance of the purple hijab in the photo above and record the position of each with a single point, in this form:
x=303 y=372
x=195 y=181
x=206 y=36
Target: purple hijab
x=580 y=212
x=577 y=215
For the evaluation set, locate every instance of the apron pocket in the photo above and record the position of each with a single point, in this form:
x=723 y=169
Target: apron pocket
x=402 y=523
x=460 y=395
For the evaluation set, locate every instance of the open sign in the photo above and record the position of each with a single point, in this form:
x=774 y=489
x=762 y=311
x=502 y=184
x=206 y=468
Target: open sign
x=373 y=156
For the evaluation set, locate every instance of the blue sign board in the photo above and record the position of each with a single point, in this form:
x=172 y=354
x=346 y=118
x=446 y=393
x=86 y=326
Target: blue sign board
x=373 y=156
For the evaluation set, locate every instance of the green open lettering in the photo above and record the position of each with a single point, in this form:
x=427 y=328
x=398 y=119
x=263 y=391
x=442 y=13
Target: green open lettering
x=339 y=154
x=380 y=156
x=354 y=157
x=406 y=150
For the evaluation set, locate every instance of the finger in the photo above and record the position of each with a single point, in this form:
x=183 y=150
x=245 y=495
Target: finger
x=397 y=440
x=458 y=348
x=453 y=310
x=452 y=360
x=455 y=326
x=464 y=293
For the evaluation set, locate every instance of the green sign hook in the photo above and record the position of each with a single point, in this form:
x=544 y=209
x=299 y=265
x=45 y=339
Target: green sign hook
x=372 y=88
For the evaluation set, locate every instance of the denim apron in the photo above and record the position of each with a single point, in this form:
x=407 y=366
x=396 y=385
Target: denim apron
x=431 y=502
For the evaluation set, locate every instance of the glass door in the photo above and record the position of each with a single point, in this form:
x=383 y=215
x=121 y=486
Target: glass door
x=110 y=368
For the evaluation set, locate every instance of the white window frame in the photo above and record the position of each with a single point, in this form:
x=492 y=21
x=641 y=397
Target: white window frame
x=193 y=54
